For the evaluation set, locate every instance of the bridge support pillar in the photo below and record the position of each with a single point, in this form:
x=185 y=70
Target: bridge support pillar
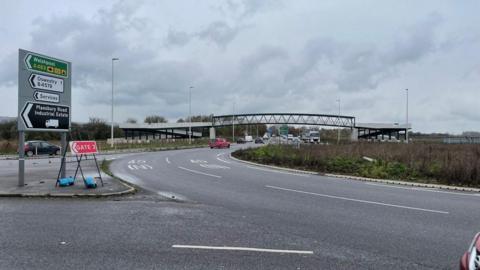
x=354 y=135
x=212 y=133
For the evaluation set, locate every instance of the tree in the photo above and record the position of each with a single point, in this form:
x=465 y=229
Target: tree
x=131 y=121
x=180 y=120
x=155 y=119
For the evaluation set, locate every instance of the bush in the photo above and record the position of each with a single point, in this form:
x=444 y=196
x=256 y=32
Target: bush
x=442 y=163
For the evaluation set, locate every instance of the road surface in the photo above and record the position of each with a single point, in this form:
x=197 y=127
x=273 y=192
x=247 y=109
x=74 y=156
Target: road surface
x=344 y=223
x=230 y=215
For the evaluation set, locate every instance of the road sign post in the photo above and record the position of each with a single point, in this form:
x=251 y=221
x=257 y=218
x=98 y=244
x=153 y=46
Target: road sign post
x=44 y=99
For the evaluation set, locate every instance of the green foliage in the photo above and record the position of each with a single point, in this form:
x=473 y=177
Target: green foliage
x=155 y=119
x=439 y=163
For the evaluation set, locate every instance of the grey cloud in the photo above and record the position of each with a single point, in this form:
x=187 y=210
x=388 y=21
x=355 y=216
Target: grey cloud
x=220 y=33
x=247 y=8
x=418 y=41
x=314 y=51
x=8 y=69
x=261 y=56
x=177 y=38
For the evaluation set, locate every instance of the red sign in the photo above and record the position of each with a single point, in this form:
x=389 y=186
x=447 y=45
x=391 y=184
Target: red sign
x=83 y=147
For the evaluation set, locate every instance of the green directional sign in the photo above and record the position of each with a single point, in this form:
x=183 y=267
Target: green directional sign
x=47 y=65
x=284 y=130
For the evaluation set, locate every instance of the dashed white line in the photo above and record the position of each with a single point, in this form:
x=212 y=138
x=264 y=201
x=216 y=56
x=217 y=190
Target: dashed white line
x=167 y=160
x=424 y=189
x=245 y=249
x=198 y=172
x=357 y=200
x=275 y=171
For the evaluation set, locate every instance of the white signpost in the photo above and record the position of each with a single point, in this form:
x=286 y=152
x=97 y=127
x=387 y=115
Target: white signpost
x=44 y=100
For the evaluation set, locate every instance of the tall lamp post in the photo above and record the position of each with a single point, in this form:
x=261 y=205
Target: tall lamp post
x=233 y=123
x=190 y=115
x=406 y=128
x=113 y=60
x=338 y=133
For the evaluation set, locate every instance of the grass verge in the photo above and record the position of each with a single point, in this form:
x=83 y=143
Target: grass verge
x=457 y=165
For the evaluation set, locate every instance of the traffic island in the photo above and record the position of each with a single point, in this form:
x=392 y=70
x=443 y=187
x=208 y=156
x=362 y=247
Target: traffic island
x=41 y=180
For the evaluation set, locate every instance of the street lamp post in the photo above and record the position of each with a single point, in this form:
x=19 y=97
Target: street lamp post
x=233 y=123
x=338 y=133
x=111 y=142
x=190 y=115
x=406 y=128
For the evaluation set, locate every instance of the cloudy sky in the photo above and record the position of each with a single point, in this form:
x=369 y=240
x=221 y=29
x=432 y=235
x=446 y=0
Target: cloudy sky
x=262 y=55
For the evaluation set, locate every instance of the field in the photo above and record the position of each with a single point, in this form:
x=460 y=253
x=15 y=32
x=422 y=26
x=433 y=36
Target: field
x=420 y=162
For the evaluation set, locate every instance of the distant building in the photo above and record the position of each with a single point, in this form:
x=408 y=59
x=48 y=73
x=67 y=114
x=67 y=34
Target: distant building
x=4 y=119
x=462 y=140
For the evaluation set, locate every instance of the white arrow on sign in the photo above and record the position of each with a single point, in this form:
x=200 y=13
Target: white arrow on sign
x=26 y=120
x=43 y=82
x=28 y=61
x=48 y=97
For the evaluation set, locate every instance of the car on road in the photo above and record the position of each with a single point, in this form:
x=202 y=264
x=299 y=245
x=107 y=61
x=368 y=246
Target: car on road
x=241 y=140
x=219 y=143
x=41 y=148
x=259 y=140
x=248 y=138
x=471 y=259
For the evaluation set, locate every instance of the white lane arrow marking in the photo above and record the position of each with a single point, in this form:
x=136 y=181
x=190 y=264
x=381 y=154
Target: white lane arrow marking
x=25 y=117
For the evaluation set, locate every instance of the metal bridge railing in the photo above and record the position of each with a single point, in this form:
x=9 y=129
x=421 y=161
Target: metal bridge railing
x=284 y=118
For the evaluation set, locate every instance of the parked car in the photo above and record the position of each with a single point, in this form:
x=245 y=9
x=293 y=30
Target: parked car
x=259 y=140
x=241 y=140
x=248 y=138
x=471 y=259
x=41 y=148
x=219 y=143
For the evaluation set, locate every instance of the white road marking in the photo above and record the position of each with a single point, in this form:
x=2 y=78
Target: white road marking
x=245 y=249
x=138 y=167
x=214 y=166
x=198 y=161
x=223 y=160
x=360 y=201
x=275 y=171
x=220 y=154
x=424 y=189
x=168 y=161
x=198 y=172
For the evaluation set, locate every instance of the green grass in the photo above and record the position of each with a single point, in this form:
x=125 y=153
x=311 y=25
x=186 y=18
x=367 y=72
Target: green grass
x=428 y=163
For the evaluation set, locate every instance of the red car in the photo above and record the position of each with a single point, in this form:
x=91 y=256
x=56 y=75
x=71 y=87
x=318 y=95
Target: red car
x=219 y=143
x=471 y=259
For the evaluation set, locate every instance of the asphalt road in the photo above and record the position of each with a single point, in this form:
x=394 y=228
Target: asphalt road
x=243 y=217
x=345 y=223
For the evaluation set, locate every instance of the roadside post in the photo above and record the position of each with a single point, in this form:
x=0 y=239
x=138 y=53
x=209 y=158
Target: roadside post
x=44 y=100
x=284 y=132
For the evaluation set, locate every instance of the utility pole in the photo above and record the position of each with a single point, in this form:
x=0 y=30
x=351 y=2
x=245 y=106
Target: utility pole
x=338 y=133
x=113 y=60
x=190 y=115
x=406 y=128
x=233 y=123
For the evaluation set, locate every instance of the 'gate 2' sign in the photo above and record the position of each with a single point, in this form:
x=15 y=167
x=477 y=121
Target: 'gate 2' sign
x=44 y=93
x=83 y=147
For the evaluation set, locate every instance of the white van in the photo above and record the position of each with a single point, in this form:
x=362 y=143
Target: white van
x=248 y=138
x=51 y=123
